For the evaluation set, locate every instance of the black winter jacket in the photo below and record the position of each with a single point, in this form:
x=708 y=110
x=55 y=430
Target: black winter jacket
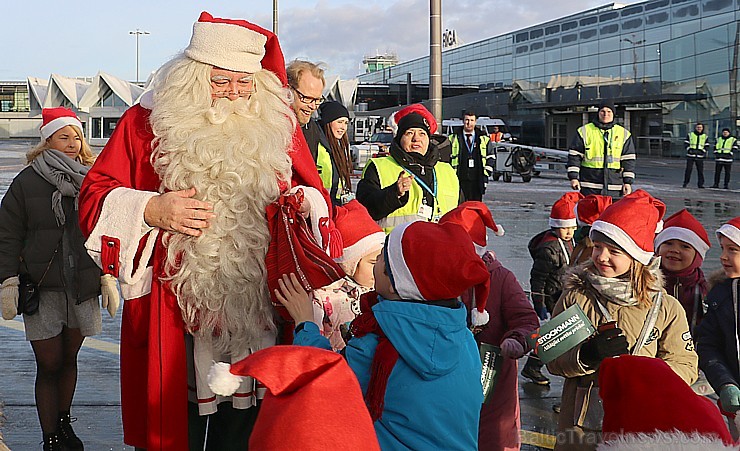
x=716 y=337
x=549 y=266
x=29 y=237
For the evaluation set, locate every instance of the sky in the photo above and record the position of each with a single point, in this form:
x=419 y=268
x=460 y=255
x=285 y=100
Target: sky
x=75 y=38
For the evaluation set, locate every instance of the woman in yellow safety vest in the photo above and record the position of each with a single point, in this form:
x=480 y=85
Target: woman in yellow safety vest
x=335 y=163
x=411 y=183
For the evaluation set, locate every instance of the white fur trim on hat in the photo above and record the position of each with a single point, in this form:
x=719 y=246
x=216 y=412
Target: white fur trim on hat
x=221 y=381
x=58 y=123
x=731 y=232
x=685 y=235
x=558 y=223
x=403 y=280
x=352 y=255
x=623 y=240
x=227 y=46
x=661 y=441
x=478 y=318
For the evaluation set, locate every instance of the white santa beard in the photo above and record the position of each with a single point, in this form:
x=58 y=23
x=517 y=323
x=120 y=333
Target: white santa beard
x=220 y=277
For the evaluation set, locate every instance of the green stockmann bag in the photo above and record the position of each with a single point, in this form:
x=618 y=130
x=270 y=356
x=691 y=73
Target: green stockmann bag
x=561 y=334
x=491 y=360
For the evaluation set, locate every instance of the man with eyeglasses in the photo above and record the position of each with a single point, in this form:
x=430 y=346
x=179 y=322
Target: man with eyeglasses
x=175 y=210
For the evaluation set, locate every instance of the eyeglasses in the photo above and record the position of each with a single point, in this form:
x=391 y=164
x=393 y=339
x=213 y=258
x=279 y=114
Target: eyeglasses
x=245 y=86
x=308 y=100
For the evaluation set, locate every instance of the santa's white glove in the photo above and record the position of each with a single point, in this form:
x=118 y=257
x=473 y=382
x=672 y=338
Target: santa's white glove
x=9 y=297
x=511 y=349
x=109 y=292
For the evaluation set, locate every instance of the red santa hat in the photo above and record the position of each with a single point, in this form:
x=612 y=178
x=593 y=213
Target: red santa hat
x=632 y=223
x=55 y=118
x=731 y=230
x=648 y=406
x=590 y=208
x=428 y=262
x=360 y=235
x=308 y=388
x=683 y=226
x=563 y=212
x=235 y=45
x=474 y=217
x=419 y=109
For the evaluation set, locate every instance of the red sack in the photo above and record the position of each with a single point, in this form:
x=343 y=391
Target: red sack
x=293 y=249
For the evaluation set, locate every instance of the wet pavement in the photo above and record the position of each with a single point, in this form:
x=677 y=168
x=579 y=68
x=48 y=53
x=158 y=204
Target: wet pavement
x=521 y=208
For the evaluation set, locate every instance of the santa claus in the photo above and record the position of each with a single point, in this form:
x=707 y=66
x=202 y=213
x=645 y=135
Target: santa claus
x=174 y=209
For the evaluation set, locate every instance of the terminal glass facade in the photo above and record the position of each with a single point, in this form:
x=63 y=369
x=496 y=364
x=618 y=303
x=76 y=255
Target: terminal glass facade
x=666 y=63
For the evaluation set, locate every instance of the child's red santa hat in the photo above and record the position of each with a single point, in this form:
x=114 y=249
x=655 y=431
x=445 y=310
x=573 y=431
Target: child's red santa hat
x=235 y=44
x=563 y=212
x=429 y=262
x=419 y=109
x=647 y=406
x=475 y=218
x=731 y=230
x=632 y=223
x=307 y=388
x=360 y=235
x=53 y=119
x=590 y=208
x=683 y=226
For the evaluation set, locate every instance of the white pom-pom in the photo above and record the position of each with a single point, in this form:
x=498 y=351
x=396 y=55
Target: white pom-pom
x=499 y=230
x=478 y=318
x=221 y=381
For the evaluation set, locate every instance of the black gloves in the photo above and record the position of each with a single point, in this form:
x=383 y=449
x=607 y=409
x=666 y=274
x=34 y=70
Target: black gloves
x=609 y=343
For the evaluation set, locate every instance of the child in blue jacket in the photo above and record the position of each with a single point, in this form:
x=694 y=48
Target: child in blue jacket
x=415 y=358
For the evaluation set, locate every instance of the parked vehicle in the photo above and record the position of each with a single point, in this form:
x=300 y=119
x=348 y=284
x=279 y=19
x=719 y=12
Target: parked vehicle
x=377 y=146
x=485 y=123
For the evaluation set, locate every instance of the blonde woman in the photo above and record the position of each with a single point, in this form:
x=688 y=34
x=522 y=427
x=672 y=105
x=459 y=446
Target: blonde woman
x=41 y=242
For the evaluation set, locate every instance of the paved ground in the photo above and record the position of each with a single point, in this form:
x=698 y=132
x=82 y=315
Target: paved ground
x=521 y=208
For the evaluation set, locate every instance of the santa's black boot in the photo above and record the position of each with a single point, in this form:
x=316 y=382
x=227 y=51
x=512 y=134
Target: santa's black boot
x=67 y=434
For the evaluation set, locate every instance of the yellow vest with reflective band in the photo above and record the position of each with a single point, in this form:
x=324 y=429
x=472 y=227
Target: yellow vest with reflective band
x=455 y=141
x=593 y=140
x=697 y=141
x=724 y=145
x=448 y=192
x=323 y=165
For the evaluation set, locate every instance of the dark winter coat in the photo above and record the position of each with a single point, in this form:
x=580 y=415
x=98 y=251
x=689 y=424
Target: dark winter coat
x=717 y=334
x=29 y=236
x=549 y=265
x=511 y=316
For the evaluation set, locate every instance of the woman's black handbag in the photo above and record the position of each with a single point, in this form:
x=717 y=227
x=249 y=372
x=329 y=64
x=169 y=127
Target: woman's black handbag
x=28 y=291
x=28 y=296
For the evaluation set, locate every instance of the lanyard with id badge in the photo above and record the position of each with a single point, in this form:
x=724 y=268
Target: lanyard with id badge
x=470 y=144
x=428 y=212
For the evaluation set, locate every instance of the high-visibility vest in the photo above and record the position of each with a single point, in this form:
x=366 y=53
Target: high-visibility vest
x=497 y=137
x=326 y=170
x=456 y=149
x=697 y=141
x=724 y=145
x=594 y=142
x=448 y=192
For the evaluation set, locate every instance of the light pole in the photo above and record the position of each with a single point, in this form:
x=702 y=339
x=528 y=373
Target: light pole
x=137 y=33
x=275 y=17
x=634 y=43
x=435 y=58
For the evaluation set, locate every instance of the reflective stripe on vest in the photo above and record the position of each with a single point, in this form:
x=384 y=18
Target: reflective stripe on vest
x=593 y=140
x=725 y=146
x=448 y=192
x=456 y=149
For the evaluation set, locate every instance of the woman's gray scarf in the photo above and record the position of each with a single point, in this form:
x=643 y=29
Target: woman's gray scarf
x=617 y=289
x=64 y=173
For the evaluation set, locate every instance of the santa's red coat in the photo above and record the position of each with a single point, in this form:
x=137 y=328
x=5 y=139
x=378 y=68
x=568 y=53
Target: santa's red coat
x=154 y=392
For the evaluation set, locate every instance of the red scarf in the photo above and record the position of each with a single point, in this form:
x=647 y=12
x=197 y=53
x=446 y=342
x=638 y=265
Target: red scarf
x=385 y=357
x=686 y=282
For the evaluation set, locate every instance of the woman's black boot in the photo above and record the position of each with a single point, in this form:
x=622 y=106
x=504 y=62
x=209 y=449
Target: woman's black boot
x=67 y=434
x=53 y=442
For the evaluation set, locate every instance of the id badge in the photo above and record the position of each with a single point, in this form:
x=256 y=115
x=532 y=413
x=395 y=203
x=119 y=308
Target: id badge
x=425 y=211
x=347 y=197
x=471 y=163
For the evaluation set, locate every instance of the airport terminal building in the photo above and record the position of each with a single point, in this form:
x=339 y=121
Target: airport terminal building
x=666 y=64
